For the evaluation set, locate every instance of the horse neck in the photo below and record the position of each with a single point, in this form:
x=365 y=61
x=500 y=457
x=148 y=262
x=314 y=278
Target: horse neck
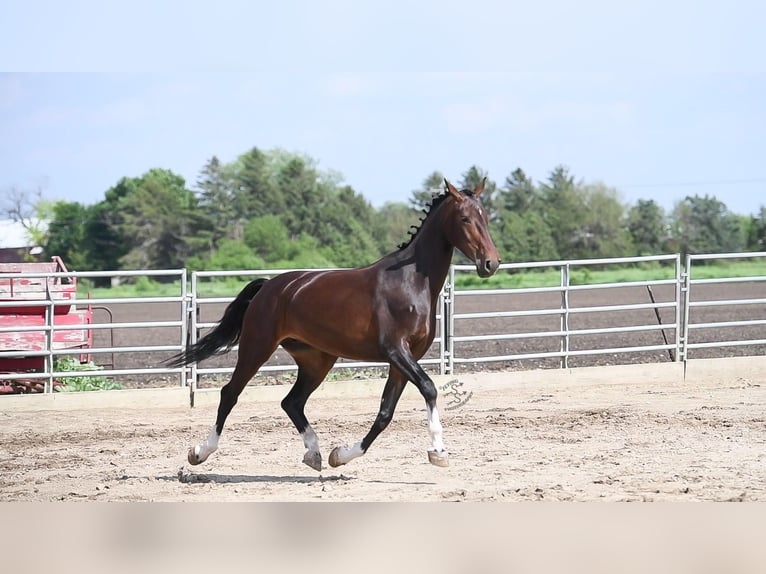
x=432 y=252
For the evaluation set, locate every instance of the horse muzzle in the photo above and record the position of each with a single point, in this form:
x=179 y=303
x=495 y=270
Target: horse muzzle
x=487 y=267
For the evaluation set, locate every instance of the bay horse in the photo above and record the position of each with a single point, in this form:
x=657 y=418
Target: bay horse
x=385 y=312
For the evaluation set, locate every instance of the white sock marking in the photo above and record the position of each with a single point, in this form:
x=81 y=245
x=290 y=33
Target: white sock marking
x=435 y=428
x=310 y=439
x=210 y=445
x=346 y=455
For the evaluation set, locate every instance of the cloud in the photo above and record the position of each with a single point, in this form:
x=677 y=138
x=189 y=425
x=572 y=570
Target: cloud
x=353 y=85
x=475 y=116
x=11 y=91
x=486 y=114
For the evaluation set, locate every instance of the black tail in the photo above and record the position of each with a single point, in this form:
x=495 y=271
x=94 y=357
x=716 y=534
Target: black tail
x=225 y=334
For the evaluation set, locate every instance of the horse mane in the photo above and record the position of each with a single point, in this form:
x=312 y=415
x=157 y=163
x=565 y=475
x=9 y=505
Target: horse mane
x=428 y=210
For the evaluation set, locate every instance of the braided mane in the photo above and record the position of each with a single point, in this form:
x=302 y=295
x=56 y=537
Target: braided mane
x=428 y=210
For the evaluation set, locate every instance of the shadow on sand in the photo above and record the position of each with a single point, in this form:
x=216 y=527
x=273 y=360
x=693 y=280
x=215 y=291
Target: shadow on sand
x=186 y=477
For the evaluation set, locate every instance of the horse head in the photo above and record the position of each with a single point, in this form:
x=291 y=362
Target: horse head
x=467 y=228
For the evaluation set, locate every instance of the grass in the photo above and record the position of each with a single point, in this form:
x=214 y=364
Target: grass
x=579 y=275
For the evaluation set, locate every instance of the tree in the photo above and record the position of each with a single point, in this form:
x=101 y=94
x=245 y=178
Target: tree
x=603 y=232
x=705 y=225
x=563 y=209
x=431 y=186
x=755 y=231
x=30 y=209
x=471 y=179
x=647 y=227
x=268 y=237
x=230 y=254
x=525 y=237
x=395 y=219
x=216 y=200
x=255 y=191
x=303 y=194
x=519 y=193
x=158 y=217
x=67 y=235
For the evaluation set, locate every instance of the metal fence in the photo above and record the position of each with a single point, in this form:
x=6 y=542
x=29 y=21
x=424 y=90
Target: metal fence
x=560 y=332
x=660 y=313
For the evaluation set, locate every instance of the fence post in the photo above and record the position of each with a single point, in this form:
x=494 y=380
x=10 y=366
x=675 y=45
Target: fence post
x=448 y=323
x=564 y=321
x=184 y=324
x=678 y=308
x=50 y=312
x=193 y=318
x=687 y=274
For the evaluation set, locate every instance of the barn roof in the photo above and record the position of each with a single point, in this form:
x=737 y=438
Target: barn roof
x=13 y=235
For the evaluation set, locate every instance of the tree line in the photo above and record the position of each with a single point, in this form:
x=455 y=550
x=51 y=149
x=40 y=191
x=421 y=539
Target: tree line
x=271 y=208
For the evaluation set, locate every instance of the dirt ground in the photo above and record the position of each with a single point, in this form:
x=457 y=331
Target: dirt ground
x=631 y=433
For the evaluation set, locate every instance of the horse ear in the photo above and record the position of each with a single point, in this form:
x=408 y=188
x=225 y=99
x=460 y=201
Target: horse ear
x=453 y=191
x=480 y=187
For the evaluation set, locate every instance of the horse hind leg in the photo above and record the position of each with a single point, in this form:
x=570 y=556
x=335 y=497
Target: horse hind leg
x=250 y=358
x=391 y=393
x=313 y=366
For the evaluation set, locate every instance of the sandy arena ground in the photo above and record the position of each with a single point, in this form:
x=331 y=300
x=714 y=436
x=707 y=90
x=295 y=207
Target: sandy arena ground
x=627 y=433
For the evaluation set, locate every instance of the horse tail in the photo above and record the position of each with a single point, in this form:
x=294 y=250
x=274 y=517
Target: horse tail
x=225 y=334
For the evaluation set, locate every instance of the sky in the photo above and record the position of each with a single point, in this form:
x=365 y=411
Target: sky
x=659 y=99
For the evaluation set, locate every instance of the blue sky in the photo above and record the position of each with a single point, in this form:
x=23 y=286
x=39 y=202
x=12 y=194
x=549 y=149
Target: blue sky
x=659 y=99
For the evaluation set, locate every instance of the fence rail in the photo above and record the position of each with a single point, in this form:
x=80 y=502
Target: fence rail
x=554 y=328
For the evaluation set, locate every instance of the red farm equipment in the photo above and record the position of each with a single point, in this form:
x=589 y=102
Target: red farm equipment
x=19 y=310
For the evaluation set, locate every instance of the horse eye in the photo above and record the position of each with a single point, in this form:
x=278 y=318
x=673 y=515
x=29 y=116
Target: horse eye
x=465 y=219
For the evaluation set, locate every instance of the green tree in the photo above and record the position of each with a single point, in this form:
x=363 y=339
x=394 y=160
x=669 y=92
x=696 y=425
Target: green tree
x=519 y=193
x=158 y=217
x=602 y=232
x=755 y=231
x=471 y=178
x=395 y=219
x=564 y=211
x=268 y=237
x=230 y=254
x=303 y=194
x=705 y=225
x=647 y=227
x=525 y=237
x=216 y=201
x=431 y=186
x=256 y=192
x=66 y=236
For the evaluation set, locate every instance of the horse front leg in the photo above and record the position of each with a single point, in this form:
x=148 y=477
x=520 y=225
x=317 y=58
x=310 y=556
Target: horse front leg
x=437 y=454
x=391 y=393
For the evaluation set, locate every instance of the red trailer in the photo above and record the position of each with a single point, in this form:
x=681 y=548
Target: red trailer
x=68 y=320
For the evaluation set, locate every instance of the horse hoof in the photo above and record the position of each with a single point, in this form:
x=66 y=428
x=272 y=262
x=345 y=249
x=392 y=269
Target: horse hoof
x=334 y=458
x=314 y=460
x=193 y=457
x=438 y=458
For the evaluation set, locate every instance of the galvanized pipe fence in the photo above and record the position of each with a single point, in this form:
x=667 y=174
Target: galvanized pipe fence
x=556 y=334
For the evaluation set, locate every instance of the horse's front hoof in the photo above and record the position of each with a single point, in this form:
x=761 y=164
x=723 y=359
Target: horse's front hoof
x=193 y=457
x=438 y=458
x=314 y=460
x=334 y=458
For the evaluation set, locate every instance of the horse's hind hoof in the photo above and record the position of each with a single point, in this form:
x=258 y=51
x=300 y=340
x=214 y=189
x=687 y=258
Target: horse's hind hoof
x=438 y=458
x=314 y=460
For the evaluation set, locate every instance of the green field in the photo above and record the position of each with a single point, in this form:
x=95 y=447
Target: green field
x=504 y=279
